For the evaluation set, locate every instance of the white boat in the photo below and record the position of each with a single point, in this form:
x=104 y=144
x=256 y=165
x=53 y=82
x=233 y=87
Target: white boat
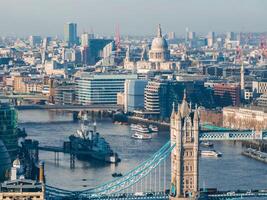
x=206 y=144
x=153 y=128
x=211 y=153
x=140 y=128
x=134 y=125
x=141 y=136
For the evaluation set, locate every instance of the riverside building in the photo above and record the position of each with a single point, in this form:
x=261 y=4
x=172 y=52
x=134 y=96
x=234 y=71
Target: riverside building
x=245 y=118
x=134 y=95
x=101 y=88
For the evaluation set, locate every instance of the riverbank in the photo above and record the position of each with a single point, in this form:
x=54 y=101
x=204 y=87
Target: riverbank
x=261 y=145
x=257 y=155
x=161 y=125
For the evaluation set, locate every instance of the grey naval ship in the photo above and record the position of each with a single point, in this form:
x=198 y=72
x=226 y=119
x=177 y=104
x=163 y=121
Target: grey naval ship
x=89 y=145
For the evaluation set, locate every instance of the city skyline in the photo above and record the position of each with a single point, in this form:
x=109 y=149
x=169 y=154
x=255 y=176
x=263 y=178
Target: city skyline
x=102 y=17
x=133 y=99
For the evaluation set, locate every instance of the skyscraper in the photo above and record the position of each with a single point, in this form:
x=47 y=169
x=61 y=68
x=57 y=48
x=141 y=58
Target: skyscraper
x=211 y=39
x=230 y=35
x=70 y=33
x=85 y=37
x=191 y=35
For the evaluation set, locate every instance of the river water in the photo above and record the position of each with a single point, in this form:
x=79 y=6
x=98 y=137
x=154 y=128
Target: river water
x=231 y=172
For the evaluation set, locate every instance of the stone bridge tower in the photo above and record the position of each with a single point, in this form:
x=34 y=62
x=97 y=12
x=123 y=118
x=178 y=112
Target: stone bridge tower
x=184 y=130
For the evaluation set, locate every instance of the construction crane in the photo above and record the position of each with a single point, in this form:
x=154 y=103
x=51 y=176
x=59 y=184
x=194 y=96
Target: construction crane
x=117 y=39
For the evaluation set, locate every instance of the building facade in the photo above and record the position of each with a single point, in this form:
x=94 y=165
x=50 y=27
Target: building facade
x=96 y=50
x=259 y=87
x=8 y=128
x=134 y=95
x=22 y=189
x=65 y=94
x=156 y=99
x=262 y=101
x=245 y=118
x=184 y=157
x=159 y=95
x=101 y=88
x=25 y=84
x=227 y=94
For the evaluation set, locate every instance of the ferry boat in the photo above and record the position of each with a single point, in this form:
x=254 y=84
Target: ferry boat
x=206 y=144
x=88 y=144
x=210 y=153
x=140 y=128
x=134 y=126
x=141 y=136
x=153 y=128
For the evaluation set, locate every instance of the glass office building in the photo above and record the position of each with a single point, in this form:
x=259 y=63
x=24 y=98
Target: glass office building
x=70 y=33
x=8 y=128
x=134 y=95
x=101 y=88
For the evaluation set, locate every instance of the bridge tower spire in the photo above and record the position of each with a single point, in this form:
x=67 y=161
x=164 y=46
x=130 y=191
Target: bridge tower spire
x=185 y=155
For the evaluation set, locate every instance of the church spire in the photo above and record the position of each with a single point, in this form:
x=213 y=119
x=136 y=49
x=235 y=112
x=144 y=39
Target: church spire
x=184 y=95
x=242 y=81
x=184 y=109
x=144 y=54
x=159 y=31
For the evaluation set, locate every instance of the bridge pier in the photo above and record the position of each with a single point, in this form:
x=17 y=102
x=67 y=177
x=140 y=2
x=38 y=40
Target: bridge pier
x=100 y=114
x=72 y=160
x=56 y=158
x=75 y=115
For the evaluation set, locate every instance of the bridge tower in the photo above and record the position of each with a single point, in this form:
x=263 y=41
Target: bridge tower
x=184 y=157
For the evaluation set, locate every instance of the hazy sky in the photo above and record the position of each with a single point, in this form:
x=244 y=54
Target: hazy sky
x=135 y=17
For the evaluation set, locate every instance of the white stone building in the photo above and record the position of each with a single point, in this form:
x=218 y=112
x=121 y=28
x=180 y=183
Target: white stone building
x=158 y=57
x=244 y=118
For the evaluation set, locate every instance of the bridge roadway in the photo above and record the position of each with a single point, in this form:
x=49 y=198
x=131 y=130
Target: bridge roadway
x=223 y=195
x=136 y=196
x=238 y=194
x=95 y=107
x=24 y=96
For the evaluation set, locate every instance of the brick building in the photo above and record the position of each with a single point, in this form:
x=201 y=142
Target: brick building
x=226 y=94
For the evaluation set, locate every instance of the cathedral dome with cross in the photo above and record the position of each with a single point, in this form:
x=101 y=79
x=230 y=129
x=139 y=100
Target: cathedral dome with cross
x=159 y=48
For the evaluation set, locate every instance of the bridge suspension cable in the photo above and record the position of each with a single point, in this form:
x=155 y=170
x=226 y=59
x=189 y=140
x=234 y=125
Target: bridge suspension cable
x=131 y=177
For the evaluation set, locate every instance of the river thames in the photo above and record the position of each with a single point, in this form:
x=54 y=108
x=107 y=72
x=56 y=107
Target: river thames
x=230 y=172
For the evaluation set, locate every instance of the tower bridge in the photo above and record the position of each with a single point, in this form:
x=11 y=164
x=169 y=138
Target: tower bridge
x=148 y=180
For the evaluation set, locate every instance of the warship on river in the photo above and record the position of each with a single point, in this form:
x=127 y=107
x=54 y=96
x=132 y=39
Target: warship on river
x=90 y=145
